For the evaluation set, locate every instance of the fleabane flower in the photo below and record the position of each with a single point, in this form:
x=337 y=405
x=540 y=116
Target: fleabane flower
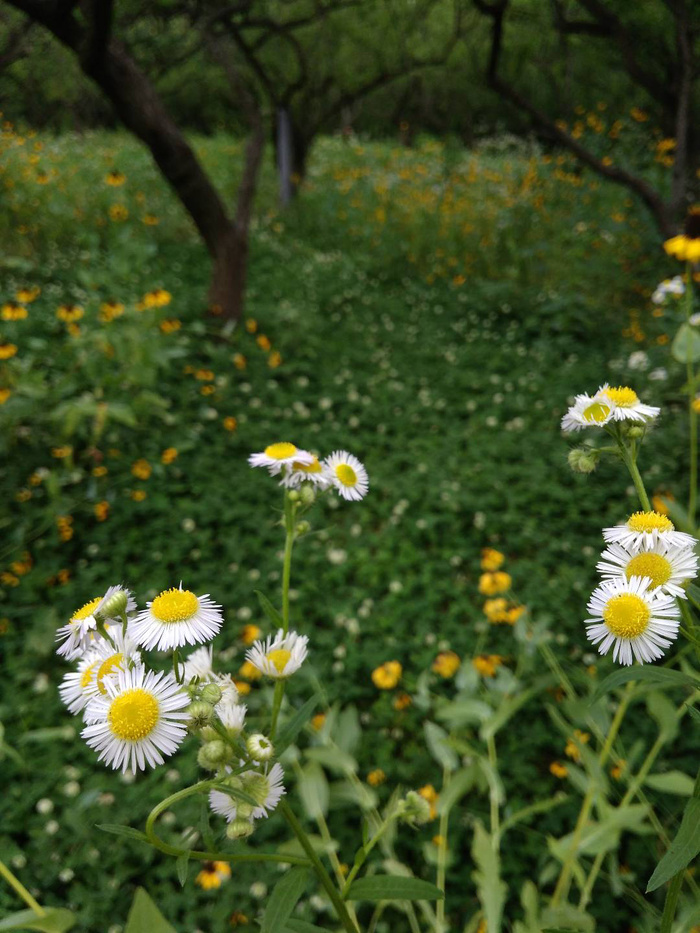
x=266 y=788
x=231 y=713
x=139 y=721
x=177 y=617
x=278 y=455
x=634 y=620
x=626 y=404
x=279 y=655
x=347 y=475
x=77 y=686
x=645 y=530
x=587 y=412
x=298 y=472
x=666 y=566
x=113 y=655
x=79 y=633
x=198 y=667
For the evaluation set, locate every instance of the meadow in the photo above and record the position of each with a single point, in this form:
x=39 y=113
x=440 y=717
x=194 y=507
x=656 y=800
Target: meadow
x=431 y=309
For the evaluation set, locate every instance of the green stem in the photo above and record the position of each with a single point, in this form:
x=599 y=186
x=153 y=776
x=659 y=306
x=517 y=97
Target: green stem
x=674 y=888
x=562 y=886
x=15 y=883
x=362 y=855
x=276 y=704
x=631 y=463
x=318 y=867
x=200 y=788
x=289 y=524
x=493 y=796
x=442 y=854
x=692 y=498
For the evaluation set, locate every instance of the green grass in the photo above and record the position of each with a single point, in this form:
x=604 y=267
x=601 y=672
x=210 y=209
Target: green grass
x=450 y=392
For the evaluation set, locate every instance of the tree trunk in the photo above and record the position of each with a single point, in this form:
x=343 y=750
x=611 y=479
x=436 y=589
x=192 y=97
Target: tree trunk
x=137 y=104
x=229 y=275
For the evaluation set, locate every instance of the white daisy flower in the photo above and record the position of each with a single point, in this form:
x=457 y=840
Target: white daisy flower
x=667 y=567
x=176 y=617
x=299 y=473
x=586 y=412
x=139 y=721
x=278 y=455
x=645 y=530
x=79 y=633
x=347 y=474
x=75 y=690
x=279 y=655
x=674 y=286
x=266 y=788
x=626 y=404
x=632 y=619
x=231 y=713
x=114 y=656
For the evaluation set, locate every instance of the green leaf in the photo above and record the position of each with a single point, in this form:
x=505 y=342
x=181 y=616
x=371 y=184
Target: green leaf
x=332 y=758
x=460 y=784
x=284 y=899
x=393 y=888
x=313 y=789
x=490 y=888
x=348 y=731
x=269 y=610
x=695 y=713
x=686 y=344
x=664 y=712
x=464 y=713
x=182 y=866
x=672 y=782
x=118 y=830
x=682 y=850
x=566 y=919
x=295 y=724
x=439 y=748
x=144 y=916
x=55 y=920
x=301 y=926
x=653 y=675
x=318 y=844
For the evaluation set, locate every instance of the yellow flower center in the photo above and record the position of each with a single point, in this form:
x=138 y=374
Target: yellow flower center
x=280 y=451
x=346 y=474
x=654 y=566
x=87 y=610
x=87 y=676
x=174 y=605
x=279 y=658
x=622 y=396
x=596 y=412
x=649 y=521
x=627 y=615
x=314 y=467
x=106 y=668
x=133 y=714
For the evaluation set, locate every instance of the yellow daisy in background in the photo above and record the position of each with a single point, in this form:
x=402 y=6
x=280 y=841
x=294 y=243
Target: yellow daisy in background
x=213 y=875
x=387 y=675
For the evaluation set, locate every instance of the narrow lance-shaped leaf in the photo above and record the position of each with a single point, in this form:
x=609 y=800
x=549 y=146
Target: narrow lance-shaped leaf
x=682 y=850
x=284 y=899
x=393 y=888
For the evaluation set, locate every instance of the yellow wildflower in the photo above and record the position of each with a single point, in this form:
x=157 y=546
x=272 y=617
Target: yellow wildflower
x=387 y=675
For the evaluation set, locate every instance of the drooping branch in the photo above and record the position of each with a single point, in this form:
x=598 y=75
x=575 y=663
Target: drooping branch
x=661 y=211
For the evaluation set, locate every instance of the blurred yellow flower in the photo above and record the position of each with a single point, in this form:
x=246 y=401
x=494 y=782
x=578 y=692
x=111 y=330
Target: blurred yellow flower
x=572 y=750
x=487 y=664
x=446 y=664
x=558 y=769
x=118 y=213
x=376 y=777
x=230 y=423
x=213 y=874
x=11 y=311
x=27 y=294
x=491 y=559
x=141 y=469
x=239 y=361
x=115 y=179
x=249 y=671
x=102 y=511
x=7 y=351
x=490 y=584
x=168 y=455
x=387 y=675
x=4 y=395
x=249 y=634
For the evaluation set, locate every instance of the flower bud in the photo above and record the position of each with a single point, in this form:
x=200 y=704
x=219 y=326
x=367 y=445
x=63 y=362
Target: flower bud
x=260 y=748
x=414 y=809
x=635 y=432
x=303 y=528
x=113 y=607
x=308 y=494
x=200 y=715
x=211 y=693
x=293 y=495
x=213 y=755
x=239 y=828
x=583 y=459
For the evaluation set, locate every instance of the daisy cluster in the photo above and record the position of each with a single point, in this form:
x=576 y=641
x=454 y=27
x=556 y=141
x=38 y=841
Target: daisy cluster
x=341 y=471
x=644 y=569
x=135 y=717
x=674 y=287
x=610 y=404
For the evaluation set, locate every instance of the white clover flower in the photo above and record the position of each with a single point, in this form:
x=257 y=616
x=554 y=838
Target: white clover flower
x=266 y=789
x=626 y=404
x=645 y=530
x=77 y=636
x=176 y=617
x=141 y=719
x=586 y=412
x=279 y=655
x=278 y=455
x=347 y=475
x=666 y=566
x=632 y=619
x=299 y=472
